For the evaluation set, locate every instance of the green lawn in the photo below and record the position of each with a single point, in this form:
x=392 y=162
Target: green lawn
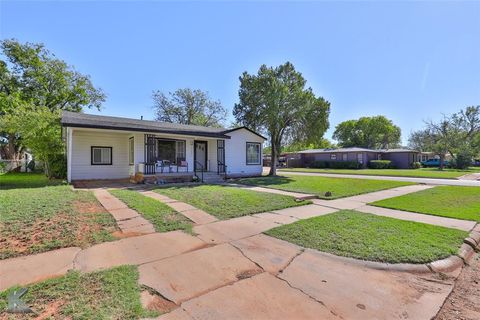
x=14 y=180
x=229 y=202
x=418 y=173
x=339 y=187
x=109 y=294
x=34 y=220
x=159 y=214
x=446 y=201
x=370 y=237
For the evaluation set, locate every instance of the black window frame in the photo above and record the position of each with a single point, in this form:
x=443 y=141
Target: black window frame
x=101 y=164
x=259 y=155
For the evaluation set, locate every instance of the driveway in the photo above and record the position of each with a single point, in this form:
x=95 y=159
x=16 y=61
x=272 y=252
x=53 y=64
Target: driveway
x=432 y=181
x=260 y=277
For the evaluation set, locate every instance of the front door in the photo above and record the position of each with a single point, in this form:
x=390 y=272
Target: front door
x=200 y=155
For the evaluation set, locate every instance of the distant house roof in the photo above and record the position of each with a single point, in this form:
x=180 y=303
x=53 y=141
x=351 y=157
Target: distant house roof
x=82 y=120
x=330 y=150
x=397 y=150
x=355 y=149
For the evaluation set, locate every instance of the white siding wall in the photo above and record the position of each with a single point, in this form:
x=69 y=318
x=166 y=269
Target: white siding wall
x=236 y=153
x=81 y=167
x=83 y=139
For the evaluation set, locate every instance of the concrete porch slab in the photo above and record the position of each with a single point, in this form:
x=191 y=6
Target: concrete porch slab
x=260 y=297
x=272 y=254
x=355 y=292
x=136 y=250
x=188 y=275
x=33 y=268
x=233 y=229
x=304 y=212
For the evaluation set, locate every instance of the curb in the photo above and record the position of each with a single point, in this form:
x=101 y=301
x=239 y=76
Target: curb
x=448 y=265
x=463 y=257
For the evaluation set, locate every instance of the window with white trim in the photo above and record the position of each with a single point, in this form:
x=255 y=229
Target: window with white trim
x=333 y=156
x=101 y=155
x=345 y=157
x=253 y=152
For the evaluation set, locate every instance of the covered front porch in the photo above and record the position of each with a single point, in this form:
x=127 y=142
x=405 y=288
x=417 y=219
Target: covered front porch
x=168 y=158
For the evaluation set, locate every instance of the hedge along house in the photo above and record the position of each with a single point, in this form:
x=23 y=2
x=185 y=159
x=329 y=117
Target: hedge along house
x=400 y=158
x=103 y=147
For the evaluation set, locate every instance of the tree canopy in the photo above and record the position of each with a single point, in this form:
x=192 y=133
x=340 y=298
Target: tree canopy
x=276 y=101
x=368 y=132
x=32 y=79
x=457 y=135
x=187 y=106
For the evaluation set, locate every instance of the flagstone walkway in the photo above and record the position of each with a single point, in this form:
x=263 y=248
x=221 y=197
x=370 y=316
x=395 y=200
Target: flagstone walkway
x=128 y=220
x=196 y=215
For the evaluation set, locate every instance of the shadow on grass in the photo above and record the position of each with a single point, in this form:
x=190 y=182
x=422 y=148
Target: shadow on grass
x=21 y=180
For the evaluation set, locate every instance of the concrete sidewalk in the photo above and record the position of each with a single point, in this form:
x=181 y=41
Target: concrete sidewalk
x=432 y=181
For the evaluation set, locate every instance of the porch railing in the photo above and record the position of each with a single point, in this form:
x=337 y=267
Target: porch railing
x=222 y=168
x=198 y=167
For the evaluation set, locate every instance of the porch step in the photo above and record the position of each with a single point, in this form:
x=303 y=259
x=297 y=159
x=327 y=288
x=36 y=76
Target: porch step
x=211 y=177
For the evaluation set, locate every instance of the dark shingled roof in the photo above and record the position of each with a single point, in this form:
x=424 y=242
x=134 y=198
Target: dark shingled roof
x=82 y=120
x=355 y=149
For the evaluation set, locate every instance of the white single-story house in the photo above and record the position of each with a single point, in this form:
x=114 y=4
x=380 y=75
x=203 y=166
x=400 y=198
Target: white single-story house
x=103 y=147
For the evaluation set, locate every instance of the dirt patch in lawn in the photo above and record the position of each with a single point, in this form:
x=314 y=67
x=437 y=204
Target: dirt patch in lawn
x=88 y=207
x=86 y=224
x=464 y=301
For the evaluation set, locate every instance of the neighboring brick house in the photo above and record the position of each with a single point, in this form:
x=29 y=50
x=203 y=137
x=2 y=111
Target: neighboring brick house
x=400 y=158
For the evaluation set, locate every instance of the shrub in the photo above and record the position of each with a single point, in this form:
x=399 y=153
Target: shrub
x=345 y=165
x=336 y=164
x=463 y=159
x=3 y=167
x=380 y=164
x=58 y=166
x=319 y=164
x=415 y=165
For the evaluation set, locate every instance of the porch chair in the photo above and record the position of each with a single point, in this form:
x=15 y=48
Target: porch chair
x=164 y=164
x=182 y=163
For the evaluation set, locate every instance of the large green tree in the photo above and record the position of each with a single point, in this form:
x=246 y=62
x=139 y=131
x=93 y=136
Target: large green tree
x=457 y=135
x=276 y=101
x=30 y=75
x=187 y=106
x=40 y=130
x=368 y=132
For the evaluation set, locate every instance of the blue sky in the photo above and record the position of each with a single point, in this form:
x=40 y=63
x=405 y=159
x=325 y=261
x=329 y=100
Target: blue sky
x=409 y=61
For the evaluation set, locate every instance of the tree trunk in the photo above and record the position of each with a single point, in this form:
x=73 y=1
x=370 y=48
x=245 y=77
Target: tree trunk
x=442 y=160
x=10 y=151
x=274 y=156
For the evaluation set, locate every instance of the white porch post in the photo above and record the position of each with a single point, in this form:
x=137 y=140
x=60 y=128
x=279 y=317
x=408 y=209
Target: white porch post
x=69 y=153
